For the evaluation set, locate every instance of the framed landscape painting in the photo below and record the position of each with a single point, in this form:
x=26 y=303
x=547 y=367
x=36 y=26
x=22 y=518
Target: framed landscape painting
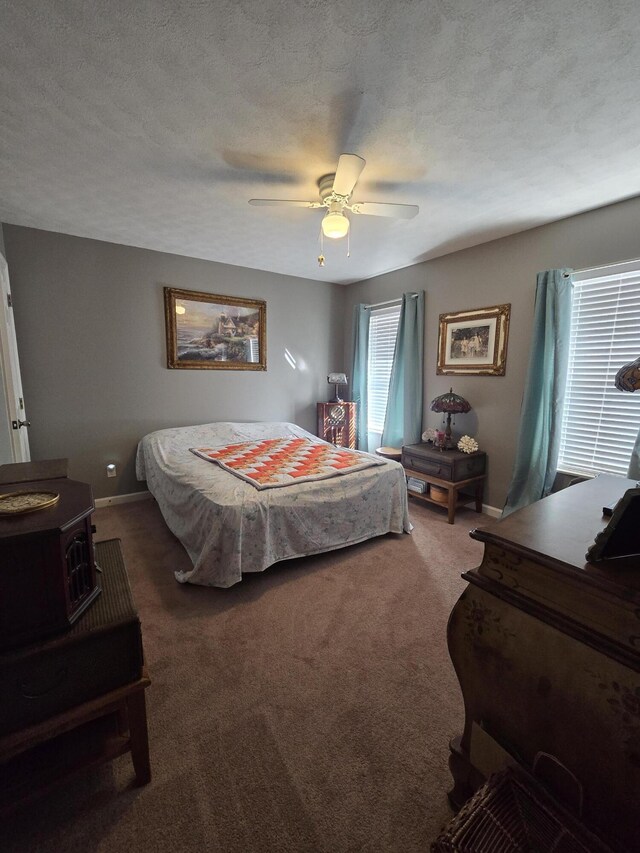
x=474 y=342
x=210 y=332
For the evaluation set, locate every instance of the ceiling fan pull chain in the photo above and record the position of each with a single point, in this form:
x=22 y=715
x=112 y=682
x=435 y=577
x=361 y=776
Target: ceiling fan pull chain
x=321 y=255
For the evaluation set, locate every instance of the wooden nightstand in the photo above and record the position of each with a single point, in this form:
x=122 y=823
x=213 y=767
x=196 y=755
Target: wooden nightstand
x=453 y=478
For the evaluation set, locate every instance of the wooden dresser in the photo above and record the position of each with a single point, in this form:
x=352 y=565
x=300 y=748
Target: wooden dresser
x=547 y=651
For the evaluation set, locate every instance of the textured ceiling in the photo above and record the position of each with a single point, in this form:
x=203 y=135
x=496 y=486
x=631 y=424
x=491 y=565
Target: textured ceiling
x=153 y=123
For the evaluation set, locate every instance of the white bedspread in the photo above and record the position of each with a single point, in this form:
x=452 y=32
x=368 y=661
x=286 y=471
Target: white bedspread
x=228 y=527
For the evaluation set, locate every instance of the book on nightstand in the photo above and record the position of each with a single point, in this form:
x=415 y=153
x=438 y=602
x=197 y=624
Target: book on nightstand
x=415 y=485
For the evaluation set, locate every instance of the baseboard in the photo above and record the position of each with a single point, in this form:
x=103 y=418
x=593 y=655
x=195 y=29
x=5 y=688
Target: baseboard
x=492 y=511
x=122 y=499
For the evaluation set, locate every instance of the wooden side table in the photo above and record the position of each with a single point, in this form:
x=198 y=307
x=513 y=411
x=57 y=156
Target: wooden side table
x=394 y=453
x=76 y=699
x=36 y=759
x=458 y=477
x=455 y=495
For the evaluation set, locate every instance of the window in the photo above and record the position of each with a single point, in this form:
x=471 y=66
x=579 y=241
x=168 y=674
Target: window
x=383 y=330
x=600 y=423
x=252 y=349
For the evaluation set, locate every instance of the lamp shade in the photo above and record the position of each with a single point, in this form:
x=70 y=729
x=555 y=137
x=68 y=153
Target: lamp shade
x=450 y=402
x=628 y=377
x=337 y=379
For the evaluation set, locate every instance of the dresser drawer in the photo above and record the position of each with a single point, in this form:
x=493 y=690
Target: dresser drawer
x=451 y=465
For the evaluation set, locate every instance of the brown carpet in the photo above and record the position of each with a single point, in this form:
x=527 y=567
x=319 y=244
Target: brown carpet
x=308 y=708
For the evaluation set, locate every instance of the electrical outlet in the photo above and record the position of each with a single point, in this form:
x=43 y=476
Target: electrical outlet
x=111 y=470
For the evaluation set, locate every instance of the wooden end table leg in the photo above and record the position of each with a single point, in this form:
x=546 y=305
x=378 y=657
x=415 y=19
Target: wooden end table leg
x=452 y=497
x=479 y=495
x=138 y=734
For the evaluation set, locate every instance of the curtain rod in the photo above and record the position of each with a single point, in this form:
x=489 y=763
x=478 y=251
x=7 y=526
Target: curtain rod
x=603 y=267
x=389 y=302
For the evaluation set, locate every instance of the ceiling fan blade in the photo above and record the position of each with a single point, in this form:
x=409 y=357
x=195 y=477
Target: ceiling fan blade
x=283 y=202
x=342 y=119
x=349 y=169
x=396 y=211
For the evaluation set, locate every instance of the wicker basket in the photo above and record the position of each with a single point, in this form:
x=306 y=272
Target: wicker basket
x=437 y=493
x=508 y=815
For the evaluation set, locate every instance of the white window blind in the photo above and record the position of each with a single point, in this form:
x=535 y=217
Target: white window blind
x=600 y=423
x=383 y=330
x=252 y=350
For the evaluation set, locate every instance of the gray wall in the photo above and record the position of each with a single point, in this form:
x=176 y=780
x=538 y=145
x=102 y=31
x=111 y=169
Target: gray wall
x=494 y=273
x=90 y=326
x=91 y=332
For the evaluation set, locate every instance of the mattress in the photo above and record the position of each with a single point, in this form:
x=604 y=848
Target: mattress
x=228 y=527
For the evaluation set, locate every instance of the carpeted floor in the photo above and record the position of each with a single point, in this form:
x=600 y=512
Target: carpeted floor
x=308 y=708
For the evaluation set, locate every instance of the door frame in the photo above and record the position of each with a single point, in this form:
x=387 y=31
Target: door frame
x=10 y=364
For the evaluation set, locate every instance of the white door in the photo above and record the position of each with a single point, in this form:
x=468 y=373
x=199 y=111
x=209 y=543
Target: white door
x=14 y=441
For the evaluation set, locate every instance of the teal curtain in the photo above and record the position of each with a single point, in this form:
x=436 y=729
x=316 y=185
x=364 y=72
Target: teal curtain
x=359 y=380
x=541 y=414
x=403 y=419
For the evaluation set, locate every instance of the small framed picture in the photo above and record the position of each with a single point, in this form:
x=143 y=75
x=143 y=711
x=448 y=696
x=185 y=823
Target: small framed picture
x=474 y=343
x=210 y=332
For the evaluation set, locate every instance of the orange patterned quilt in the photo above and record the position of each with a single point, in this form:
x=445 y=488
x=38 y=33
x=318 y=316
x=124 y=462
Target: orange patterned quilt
x=275 y=462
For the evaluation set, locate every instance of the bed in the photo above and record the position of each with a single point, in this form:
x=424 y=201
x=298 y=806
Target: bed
x=228 y=527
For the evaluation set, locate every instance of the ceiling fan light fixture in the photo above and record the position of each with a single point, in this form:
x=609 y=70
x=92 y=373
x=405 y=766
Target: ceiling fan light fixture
x=336 y=189
x=335 y=225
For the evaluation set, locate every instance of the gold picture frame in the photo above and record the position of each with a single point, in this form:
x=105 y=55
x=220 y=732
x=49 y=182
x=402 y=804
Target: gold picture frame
x=474 y=343
x=206 y=331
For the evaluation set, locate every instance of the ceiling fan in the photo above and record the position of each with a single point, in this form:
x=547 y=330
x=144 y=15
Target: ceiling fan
x=336 y=189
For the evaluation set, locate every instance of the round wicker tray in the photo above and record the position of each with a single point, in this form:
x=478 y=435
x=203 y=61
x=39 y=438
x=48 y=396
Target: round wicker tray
x=15 y=503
